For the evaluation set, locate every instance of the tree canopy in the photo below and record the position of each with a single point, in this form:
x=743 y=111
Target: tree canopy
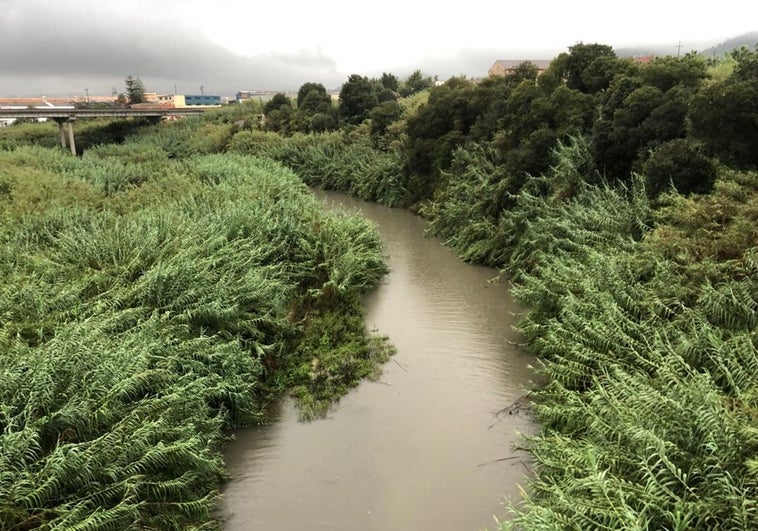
x=135 y=90
x=279 y=112
x=415 y=83
x=358 y=96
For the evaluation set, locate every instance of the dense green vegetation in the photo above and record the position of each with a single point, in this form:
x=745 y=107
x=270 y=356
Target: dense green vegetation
x=147 y=306
x=649 y=420
x=620 y=198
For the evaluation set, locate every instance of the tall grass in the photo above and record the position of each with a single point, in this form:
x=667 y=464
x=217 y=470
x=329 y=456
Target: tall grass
x=333 y=161
x=142 y=317
x=649 y=344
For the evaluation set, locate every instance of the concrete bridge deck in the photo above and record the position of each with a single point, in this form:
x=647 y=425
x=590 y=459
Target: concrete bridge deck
x=59 y=113
x=62 y=115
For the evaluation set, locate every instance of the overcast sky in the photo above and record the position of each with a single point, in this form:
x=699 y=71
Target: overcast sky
x=61 y=47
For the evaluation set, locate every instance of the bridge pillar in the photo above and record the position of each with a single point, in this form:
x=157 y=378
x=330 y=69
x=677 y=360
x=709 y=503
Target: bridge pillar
x=61 y=132
x=71 y=136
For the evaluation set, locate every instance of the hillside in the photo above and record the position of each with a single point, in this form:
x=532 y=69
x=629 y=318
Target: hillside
x=748 y=39
x=662 y=49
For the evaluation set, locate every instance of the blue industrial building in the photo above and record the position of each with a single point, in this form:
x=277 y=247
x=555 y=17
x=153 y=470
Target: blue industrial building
x=203 y=99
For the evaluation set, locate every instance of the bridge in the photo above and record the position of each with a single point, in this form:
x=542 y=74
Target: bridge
x=63 y=115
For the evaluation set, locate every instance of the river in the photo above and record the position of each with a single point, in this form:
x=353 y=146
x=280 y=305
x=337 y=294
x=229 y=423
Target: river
x=423 y=447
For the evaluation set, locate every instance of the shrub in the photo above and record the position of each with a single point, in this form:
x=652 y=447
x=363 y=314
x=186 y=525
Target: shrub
x=680 y=165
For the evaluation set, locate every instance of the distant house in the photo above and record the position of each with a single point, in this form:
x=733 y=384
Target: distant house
x=504 y=67
x=243 y=95
x=644 y=59
x=202 y=99
x=173 y=100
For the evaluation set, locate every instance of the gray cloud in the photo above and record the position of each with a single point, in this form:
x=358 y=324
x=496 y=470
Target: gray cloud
x=59 y=47
x=64 y=46
x=55 y=50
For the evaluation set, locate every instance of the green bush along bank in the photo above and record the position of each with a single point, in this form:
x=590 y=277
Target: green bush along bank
x=649 y=345
x=147 y=306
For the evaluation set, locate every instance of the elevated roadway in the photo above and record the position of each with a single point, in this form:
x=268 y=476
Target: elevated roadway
x=59 y=113
x=62 y=115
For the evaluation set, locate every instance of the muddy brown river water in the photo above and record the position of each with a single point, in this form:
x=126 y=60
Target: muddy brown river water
x=420 y=449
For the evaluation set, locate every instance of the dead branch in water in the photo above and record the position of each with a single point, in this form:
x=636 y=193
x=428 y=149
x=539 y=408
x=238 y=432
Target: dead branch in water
x=400 y=365
x=498 y=460
x=513 y=409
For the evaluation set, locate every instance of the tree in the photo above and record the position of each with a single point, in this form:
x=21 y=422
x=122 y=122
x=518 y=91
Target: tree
x=135 y=90
x=746 y=68
x=383 y=115
x=599 y=74
x=621 y=139
x=667 y=72
x=437 y=128
x=725 y=117
x=321 y=122
x=569 y=68
x=636 y=116
x=357 y=97
x=278 y=111
x=316 y=102
x=416 y=82
x=314 y=111
x=490 y=99
x=279 y=100
x=526 y=70
x=669 y=119
x=390 y=81
x=680 y=164
x=313 y=97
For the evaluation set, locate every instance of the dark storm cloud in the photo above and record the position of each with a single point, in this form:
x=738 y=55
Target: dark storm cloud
x=49 y=49
x=59 y=47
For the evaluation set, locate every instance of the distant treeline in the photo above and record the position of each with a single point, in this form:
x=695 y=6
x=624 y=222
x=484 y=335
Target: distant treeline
x=672 y=119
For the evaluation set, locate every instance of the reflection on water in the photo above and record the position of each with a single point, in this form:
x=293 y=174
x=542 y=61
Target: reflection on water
x=417 y=449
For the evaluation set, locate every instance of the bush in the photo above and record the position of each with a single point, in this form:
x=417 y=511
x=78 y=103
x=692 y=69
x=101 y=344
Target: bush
x=139 y=321
x=680 y=165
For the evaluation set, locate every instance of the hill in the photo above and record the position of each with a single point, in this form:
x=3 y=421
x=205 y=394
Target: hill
x=748 y=39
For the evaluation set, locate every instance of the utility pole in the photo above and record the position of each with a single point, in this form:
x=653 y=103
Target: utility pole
x=678 y=49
